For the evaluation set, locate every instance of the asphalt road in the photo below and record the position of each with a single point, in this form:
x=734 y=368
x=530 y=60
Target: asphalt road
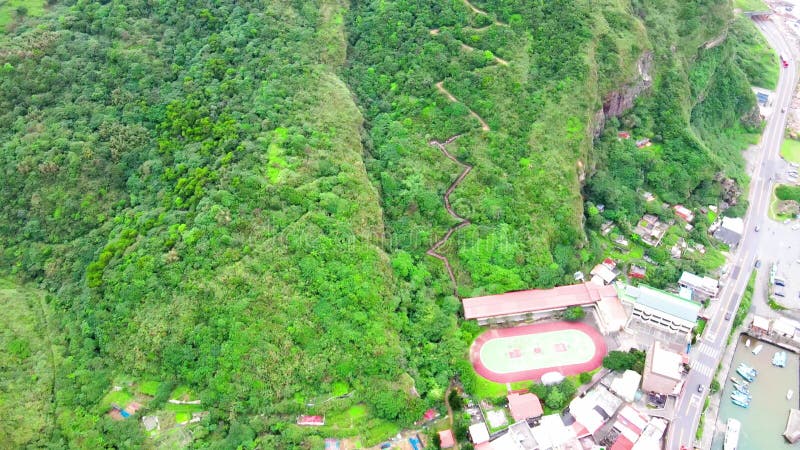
x=705 y=356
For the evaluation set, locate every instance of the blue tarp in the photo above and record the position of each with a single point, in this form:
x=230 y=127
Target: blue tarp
x=415 y=443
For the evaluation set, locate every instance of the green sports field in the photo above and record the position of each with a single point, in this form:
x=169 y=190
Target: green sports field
x=537 y=351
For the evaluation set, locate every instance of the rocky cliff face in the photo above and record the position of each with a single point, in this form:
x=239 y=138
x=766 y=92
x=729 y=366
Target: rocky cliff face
x=617 y=102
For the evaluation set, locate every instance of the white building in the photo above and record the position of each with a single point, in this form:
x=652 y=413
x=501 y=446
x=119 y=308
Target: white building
x=478 y=433
x=702 y=287
x=730 y=231
x=660 y=309
x=626 y=385
x=602 y=274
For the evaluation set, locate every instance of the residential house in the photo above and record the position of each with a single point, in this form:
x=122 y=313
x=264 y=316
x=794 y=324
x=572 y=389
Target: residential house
x=730 y=231
x=642 y=143
x=622 y=243
x=684 y=213
x=626 y=385
x=702 y=287
x=663 y=370
x=626 y=429
x=624 y=135
x=606 y=228
x=651 y=230
x=592 y=410
x=478 y=433
x=314 y=421
x=760 y=325
x=518 y=437
x=785 y=327
x=604 y=273
x=446 y=439
x=637 y=272
x=524 y=406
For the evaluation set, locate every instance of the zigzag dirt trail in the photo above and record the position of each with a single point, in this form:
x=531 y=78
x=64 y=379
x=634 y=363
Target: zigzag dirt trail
x=482 y=12
x=497 y=59
x=466 y=168
x=484 y=125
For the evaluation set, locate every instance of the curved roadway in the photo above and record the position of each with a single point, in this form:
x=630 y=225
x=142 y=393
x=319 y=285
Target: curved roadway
x=706 y=356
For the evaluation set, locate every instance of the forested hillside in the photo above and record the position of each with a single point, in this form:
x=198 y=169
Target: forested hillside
x=238 y=197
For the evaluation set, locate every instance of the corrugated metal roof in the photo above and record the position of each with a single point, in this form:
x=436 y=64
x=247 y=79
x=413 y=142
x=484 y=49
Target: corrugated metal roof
x=535 y=300
x=665 y=302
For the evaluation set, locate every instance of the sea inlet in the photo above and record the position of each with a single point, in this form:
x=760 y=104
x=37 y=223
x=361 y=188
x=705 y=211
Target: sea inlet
x=764 y=421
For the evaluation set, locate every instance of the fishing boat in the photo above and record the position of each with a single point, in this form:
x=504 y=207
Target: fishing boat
x=757 y=350
x=740 y=396
x=732 y=434
x=740 y=382
x=741 y=403
x=747 y=344
x=789 y=394
x=779 y=359
x=748 y=373
x=743 y=389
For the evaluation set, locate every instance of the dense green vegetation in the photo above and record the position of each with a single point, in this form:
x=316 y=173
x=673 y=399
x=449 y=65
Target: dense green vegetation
x=231 y=201
x=620 y=361
x=574 y=314
x=788 y=192
x=526 y=230
x=554 y=397
x=744 y=304
x=700 y=118
x=29 y=356
x=204 y=216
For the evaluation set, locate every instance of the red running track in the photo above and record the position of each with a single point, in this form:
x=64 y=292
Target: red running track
x=536 y=374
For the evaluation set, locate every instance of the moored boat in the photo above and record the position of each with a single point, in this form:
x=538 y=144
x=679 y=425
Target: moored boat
x=736 y=395
x=758 y=349
x=779 y=359
x=743 y=404
x=743 y=389
x=746 y=372
x=789 y=394
x=747 y=344
x=732 y=434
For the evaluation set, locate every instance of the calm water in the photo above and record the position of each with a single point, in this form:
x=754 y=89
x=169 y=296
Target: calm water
x=763 y=423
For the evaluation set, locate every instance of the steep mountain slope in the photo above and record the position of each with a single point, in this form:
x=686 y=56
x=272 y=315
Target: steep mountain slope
x=192 y=187
x=239 y=196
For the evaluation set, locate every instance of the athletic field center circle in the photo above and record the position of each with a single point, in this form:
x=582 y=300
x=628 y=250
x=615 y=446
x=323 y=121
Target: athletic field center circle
x=505 y=355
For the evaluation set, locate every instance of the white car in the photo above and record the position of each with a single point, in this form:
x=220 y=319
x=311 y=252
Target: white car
x=796 y=227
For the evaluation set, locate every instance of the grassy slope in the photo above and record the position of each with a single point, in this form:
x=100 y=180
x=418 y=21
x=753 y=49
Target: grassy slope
x=26 y=367
x=790 y=150
x=9 y=10
x=754 y=55
x=750 y=5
